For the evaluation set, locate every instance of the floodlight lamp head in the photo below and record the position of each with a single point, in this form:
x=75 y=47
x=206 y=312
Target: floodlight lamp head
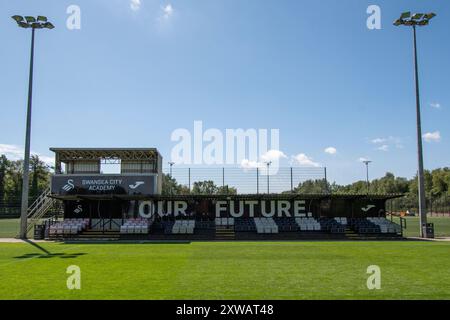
x=398 y=22
x=23 y=24
x=405 y=15
x=30 y=19
x=48 y=25
x=17 y=18
x=417 y=16
x=430 y=15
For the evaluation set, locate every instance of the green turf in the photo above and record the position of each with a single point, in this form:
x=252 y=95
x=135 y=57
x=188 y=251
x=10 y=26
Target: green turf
x=10 y=227
x=221 y=270
x=441 y=226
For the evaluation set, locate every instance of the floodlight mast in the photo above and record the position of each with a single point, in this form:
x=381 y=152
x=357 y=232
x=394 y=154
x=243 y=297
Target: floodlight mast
x=418 y=19
x=367 y=162
x=268 y=163
x=34 y=23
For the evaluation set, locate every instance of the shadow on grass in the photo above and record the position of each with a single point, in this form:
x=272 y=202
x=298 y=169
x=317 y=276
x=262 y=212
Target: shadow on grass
x=45 y=254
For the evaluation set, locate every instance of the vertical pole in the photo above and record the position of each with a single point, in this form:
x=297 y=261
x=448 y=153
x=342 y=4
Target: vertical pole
x=189 y=178
x=257 y=180
x=26 y=162
x=367 y=177
x=292 y=182
x=268 y=182
x=326 y=180
x=420 y=174
x=223 y=178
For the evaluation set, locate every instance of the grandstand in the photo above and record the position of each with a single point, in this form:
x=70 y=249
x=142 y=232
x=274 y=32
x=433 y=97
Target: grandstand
x=129 y=205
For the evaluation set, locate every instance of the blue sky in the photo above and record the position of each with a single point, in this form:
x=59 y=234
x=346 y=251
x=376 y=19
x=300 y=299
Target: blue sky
x=138 y=70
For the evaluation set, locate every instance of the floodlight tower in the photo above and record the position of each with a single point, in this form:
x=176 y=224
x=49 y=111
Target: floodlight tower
x=367 y=162
x=28 y=23
x=268 y=163
x=171 y=163
x=418 y=19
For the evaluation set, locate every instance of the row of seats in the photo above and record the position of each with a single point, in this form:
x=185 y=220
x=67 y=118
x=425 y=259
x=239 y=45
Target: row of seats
x=385 y=225
x=308 y=224
x=265 y=225
x=68 y=227
x=286 y=224
x=364 y=226
x=244 y=225
x=183 y=227
x=135 y=226
x=204 y=224
x=225 y=222
x=341 y=220
x=332 y=225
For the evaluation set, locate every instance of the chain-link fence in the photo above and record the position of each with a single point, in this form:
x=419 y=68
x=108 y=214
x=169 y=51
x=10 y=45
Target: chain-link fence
x=435 y=206
x=246 y=180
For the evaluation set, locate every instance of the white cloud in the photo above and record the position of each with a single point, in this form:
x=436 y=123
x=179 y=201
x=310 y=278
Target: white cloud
x=432 y=136
x=305 y=161
x=384 y=147
x=135 y=5
x=273 y=155
x=13 y=152
x=247 y=164
x=167 y=11
x=330 y=150
x=435 y=105
x=386 y=143
x=378 y=140
x=362 y=159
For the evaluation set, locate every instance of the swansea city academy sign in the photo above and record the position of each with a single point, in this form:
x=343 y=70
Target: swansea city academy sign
x=104 y=184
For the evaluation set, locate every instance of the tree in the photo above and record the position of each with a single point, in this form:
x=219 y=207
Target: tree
x=13 y=185
x=313 y=186
x=170 y=186
x=209 y=188
x=204 y=187
x=4 y=163
x=40 y=176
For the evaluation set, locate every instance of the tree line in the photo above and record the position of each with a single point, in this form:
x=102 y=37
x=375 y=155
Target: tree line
x=437 y=184
x=11 y=172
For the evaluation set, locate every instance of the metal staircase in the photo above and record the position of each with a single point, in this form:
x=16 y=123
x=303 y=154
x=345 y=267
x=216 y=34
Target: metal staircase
x=39 y=208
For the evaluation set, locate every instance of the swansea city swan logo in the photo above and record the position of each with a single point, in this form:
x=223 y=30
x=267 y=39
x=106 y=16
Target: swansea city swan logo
x=68 y=186
x=136 y=185
x=368 y=207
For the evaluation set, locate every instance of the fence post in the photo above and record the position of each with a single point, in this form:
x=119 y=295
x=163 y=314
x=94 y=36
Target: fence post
x=223 y=178
x=257 y=180
x=189 y=178
x=292 y=182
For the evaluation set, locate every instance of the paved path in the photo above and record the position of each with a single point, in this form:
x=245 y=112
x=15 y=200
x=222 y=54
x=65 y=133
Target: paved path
x=14 y=240
x=444 y=239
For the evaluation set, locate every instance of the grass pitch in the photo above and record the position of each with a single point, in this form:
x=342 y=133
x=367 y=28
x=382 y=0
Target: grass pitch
x=9 y=228
x=227 y=270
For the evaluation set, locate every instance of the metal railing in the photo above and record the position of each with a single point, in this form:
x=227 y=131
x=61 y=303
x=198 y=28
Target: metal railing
x=248 y=180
